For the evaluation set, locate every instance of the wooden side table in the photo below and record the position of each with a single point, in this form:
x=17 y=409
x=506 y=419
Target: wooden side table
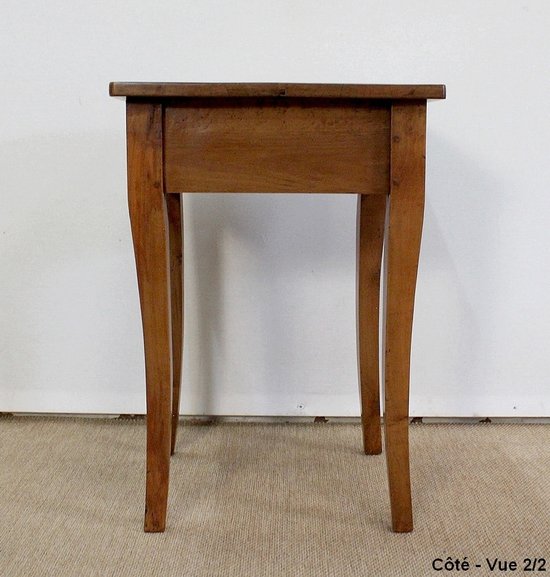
x=367 y=140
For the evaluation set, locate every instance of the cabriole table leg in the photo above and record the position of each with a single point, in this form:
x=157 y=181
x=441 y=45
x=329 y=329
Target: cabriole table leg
x=371 y=215
x=403 y=246
x=173 y=203
x=147 y=205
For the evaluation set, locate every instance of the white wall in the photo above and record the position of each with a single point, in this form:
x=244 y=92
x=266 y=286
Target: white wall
x=270 y=279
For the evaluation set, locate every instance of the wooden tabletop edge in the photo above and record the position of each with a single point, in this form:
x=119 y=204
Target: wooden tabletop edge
x=245 y=89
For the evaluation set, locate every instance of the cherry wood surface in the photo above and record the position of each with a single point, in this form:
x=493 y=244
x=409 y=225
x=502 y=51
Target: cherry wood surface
x=175 y=235
x=299 y=145
x=362 y=139
x=148 y=217
x=252 y=89
x=408 y=152
x=371 y=216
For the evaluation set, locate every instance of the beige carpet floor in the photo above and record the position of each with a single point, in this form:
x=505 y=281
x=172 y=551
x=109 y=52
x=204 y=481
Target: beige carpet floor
x=260 y=500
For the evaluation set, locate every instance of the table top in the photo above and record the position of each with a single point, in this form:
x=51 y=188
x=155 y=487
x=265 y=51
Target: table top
x=252 y=90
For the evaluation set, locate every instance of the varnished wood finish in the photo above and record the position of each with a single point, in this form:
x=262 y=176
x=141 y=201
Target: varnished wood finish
x=173 y=203
x=150 y=235
x=408 y=130
x=365 y=139
x=298 y=145
x=247 y=89
x=371 y=214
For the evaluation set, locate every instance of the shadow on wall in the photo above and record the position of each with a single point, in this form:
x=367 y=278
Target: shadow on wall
x=70 y=336
x=264 y=267
x=458 y=278
x=269 y=274
x=282 y=240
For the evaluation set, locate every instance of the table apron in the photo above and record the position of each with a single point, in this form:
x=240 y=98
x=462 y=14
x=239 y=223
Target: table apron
x=277 y=146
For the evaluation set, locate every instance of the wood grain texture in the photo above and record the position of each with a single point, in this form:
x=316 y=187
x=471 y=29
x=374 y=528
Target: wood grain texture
x=294 y=146
x=406 y=212
x=371 y=216
x=246 y=89
x=173 y=203
x=148 y=218
x=362 y=139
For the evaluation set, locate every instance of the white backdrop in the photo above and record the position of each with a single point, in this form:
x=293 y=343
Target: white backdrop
x=270 y=325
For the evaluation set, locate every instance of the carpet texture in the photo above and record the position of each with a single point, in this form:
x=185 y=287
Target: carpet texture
x=257 y=500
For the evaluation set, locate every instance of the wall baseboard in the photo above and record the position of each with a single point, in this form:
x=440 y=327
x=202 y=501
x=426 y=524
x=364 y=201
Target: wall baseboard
x=208 y=419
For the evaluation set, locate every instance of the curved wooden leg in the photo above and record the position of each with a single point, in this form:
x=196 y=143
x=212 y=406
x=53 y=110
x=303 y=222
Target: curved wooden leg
x=173 y=203
x=371 y=215
x=405 y=229
x=150 y=235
